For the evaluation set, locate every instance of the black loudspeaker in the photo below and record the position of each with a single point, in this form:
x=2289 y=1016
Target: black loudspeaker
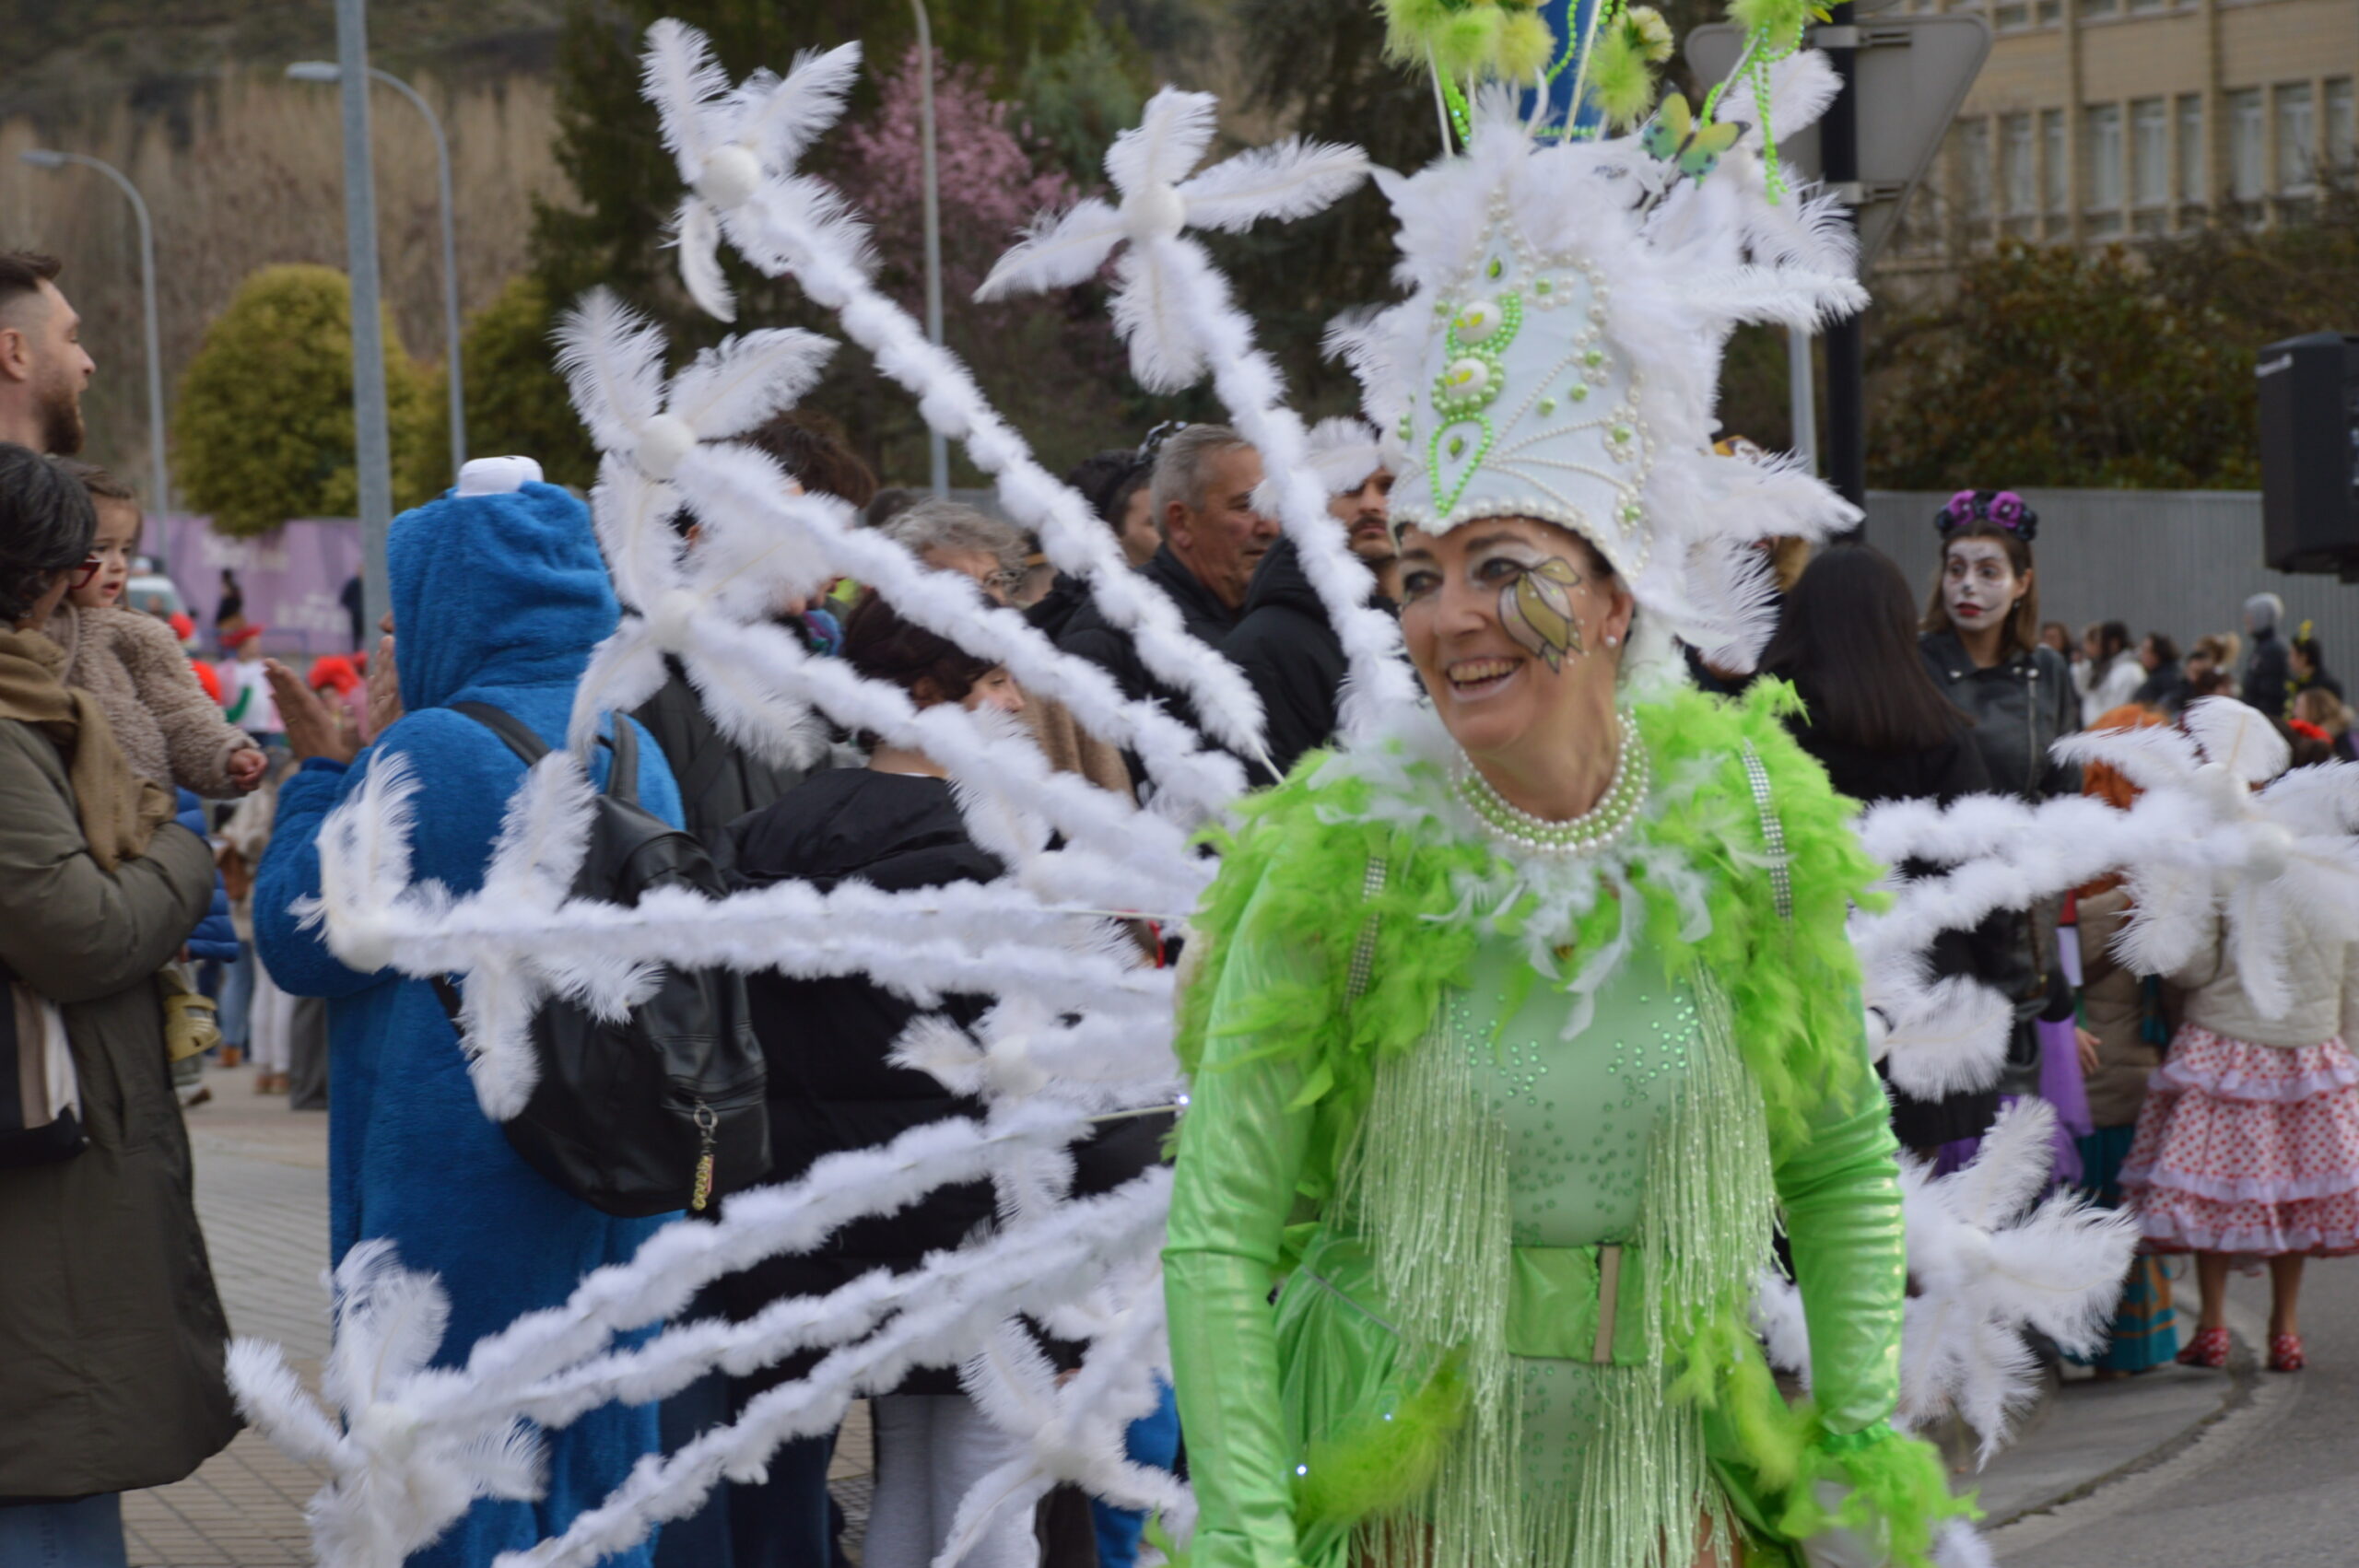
x=2309 y=452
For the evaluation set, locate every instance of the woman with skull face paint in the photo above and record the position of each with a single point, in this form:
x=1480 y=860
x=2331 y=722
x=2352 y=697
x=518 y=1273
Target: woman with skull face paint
x=1982 y=647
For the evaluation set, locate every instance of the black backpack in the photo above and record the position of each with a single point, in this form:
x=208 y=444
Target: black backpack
x=663 y=1109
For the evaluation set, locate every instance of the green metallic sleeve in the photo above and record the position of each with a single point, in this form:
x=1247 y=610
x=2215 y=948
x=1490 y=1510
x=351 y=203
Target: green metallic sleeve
x=1840 y=1191
x=1241 y=1149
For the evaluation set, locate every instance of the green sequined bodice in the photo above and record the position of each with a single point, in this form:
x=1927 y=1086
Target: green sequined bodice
x=1578 y=1115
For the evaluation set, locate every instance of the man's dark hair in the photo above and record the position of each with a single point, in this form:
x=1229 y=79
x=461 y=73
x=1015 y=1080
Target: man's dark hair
x=1847 y=640
x=46 y=525
x=2113 y=637
x=1108 y=480
x=23 y=273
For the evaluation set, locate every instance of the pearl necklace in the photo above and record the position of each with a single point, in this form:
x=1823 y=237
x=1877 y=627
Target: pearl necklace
x=1601 y=827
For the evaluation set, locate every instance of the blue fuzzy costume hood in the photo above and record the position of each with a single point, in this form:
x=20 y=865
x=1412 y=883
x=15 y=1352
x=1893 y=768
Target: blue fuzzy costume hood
x=496 y=591
x=498 y=599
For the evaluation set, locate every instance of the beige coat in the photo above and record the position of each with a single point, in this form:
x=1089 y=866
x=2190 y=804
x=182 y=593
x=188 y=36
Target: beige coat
x=166 y=726
x=2111 y=1002
x=2324 y=980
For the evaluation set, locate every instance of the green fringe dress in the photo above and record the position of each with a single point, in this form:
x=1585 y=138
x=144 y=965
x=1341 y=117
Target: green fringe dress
x=1510 y=1140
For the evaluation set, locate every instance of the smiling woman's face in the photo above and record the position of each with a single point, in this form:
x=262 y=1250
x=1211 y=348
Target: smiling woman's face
x=1516 y=628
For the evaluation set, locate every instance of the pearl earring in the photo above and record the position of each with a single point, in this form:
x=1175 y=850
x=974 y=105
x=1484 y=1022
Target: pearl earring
x=1612 y=641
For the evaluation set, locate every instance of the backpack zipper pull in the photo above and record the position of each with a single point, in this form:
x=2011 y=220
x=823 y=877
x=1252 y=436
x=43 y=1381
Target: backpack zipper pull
x=700 y=1194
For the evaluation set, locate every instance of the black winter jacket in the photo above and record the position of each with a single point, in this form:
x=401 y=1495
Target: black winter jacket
x=1294 y=657
x=719 y=780
x=2163 y=690
x=825 y=1041
x=1088 y=634
x=2269 y=674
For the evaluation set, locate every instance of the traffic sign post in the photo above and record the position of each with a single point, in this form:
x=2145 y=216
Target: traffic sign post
x=1904 y=78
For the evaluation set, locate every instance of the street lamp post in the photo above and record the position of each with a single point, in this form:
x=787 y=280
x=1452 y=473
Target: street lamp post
x=329 y=71
x=937 y=449
x=44 y=158
x=372 y=442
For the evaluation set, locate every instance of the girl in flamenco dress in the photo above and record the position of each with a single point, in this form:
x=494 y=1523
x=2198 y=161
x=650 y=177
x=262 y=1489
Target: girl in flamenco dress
x=2248 y=1145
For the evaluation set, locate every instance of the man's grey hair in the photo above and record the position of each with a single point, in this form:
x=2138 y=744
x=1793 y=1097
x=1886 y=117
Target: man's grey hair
x=937 y=524
x=1182 y=464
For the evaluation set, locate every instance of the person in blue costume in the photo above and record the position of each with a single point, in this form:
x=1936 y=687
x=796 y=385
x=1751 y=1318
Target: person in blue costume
x=498 y=598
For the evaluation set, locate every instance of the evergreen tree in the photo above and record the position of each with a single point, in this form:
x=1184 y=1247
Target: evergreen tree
x=516 y=400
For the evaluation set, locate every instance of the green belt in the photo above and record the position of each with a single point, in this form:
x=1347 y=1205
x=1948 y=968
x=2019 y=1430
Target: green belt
x=1584 y=1303
x=1578 y=1304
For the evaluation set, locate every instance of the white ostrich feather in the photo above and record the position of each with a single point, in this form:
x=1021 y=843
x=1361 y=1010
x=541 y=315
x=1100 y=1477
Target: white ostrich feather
x=1288 y=179
x=612 y=359
x=731 y=388
x=680 y=76
x=695 y=232
x=782 y=118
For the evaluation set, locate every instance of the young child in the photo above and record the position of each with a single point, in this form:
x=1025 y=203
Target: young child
x=168 y=727
x=246 y=688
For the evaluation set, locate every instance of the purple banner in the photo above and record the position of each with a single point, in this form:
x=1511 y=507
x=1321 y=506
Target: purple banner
x=293 y=579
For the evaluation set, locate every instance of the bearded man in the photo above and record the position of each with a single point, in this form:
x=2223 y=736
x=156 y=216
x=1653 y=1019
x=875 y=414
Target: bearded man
x=43 y=366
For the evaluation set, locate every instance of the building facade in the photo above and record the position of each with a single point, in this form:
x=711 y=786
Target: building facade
x=2103 y=120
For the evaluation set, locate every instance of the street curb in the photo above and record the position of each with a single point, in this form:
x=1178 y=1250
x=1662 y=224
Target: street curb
x=2244 y=1376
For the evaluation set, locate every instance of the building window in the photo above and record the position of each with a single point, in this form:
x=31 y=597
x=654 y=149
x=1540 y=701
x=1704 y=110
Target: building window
x=2248 y=166
x=2011 y=16
x=2055 y=172
x=2142 y=6
x=1974 y=173
x=2341 y=130
x=2150 y=162
x=2099 y=8
x=2101 y=180
x=2018 y=176
x=2048 y=13
x=2296 y=132
x=2192 y=186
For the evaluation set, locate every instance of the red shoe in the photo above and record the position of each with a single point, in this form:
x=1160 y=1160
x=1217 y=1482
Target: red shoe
x=2285 y=1353
x=2210 y=1348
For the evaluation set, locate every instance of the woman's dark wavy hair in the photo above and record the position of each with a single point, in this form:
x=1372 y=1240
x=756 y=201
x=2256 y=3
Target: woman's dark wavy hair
x=46 y=525
x=882 y=646
x=1847 y=642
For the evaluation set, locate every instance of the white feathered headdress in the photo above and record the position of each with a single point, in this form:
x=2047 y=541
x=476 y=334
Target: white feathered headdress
x=1559 y=356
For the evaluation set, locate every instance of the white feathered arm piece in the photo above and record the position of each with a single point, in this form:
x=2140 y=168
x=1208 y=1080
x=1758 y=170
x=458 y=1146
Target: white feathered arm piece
x=1988 y=1256
x=791 y=224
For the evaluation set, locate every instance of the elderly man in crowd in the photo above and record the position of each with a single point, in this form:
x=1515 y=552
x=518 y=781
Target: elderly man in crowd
x=1213 y=538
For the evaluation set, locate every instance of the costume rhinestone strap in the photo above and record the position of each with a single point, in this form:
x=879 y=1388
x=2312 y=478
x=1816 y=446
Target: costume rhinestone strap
x=1363 y=968
x=1773 y=834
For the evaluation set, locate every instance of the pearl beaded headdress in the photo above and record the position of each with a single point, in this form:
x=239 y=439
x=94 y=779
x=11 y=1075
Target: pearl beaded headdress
x=1559 y=357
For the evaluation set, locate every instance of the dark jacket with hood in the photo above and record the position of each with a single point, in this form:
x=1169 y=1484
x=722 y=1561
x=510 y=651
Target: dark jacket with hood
x=2269 y=674
x=1089 y=635
x=1294 y=657
x=497 y=599
x=827 y=1041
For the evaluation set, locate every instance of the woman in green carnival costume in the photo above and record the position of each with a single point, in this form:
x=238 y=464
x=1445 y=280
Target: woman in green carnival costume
x=1523 y=1021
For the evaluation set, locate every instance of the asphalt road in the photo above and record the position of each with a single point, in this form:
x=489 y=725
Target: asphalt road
x=2273 y=1483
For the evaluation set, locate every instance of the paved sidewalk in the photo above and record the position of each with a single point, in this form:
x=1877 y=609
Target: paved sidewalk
x=262 y=1196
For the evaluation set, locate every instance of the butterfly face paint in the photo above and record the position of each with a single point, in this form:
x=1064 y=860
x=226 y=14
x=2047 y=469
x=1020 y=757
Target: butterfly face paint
x=1536 y=609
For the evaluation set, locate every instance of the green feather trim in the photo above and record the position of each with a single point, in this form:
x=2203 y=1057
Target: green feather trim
x=1304 y=847
x=1620 y=85
x=1371 y=1466
x=1778 y=21
x=1525 y=47
x=1896 y=1487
